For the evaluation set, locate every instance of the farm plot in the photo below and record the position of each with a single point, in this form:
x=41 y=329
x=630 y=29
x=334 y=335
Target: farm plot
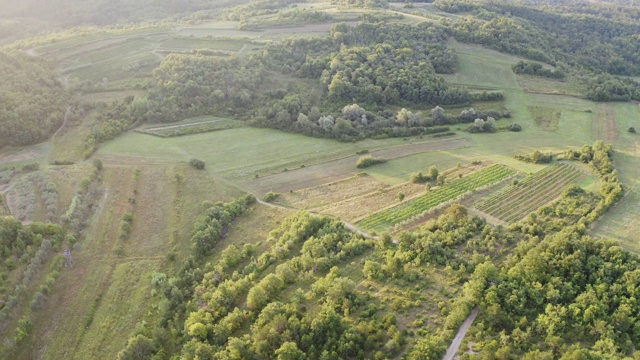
x=442 y=194
x=193 y=128
x=517 y=201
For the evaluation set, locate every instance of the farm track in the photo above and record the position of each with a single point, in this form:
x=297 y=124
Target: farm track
x=462 y=332
x=64 y=123
x=179 y=126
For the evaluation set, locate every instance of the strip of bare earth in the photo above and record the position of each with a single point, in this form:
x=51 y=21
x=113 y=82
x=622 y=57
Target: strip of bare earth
x=462 y=332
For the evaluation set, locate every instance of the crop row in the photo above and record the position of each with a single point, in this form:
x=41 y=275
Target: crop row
x=442 y=194
x=530 y=183
x=517 y=201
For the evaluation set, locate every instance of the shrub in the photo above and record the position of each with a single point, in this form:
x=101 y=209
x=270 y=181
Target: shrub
x=632 y=130
x=418 y=178
x=24 y=328
x=368 y=160
x=270 y=196
x=196 y=163
x=536 y=157
x=128 y=217
x=31 y=167
x=432 y=173
x=37 y=302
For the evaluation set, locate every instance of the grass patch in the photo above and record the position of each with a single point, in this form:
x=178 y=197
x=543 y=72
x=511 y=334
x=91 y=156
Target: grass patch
x=547 y=119
x=239 y=154
x=620 y=223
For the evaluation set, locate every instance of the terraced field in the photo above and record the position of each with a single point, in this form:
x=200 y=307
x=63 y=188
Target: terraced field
x=517 y=201
x=422 y=203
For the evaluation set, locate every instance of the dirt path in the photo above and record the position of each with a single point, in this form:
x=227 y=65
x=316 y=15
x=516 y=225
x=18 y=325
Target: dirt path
x=64 y=123
x=491 y=219
x=462 y=332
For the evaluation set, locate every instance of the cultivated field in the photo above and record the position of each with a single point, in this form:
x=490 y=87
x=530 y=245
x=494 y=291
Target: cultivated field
x=517 y=201
x=442 y=194
x=198 y=125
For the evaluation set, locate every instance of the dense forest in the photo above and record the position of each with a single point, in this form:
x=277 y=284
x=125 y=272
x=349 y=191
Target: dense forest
x=32 y=100
x=369 y=65
x=592 y=46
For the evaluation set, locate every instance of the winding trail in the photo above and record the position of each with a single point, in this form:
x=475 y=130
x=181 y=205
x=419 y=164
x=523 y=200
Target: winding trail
x=462 y=332
x=64 y=123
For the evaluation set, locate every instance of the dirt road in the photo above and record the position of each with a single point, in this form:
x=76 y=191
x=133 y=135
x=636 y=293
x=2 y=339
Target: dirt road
x=462 y=332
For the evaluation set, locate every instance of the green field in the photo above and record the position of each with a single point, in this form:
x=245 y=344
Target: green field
x=619 y=222
x=239 y=154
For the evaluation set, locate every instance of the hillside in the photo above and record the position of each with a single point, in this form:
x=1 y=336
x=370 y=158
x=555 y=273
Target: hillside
x=319 y=180
x=32 y=100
